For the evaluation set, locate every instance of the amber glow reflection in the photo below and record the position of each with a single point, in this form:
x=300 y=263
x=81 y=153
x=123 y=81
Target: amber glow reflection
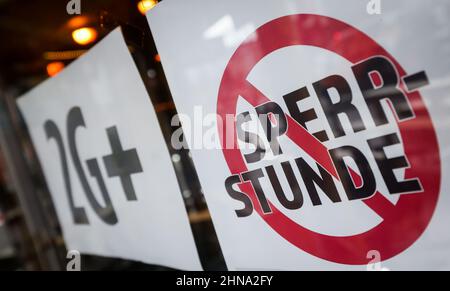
x=84 y=36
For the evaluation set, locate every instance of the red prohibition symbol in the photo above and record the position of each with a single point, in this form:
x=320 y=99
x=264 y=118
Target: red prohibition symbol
x=402 y=223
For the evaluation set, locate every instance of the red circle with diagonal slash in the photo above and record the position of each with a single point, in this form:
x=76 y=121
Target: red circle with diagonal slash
x=404 y=222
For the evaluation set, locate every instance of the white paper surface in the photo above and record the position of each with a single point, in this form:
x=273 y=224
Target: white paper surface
x=105 y=86
x=195 y=48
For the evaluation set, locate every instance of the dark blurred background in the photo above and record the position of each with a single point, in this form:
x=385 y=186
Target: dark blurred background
x=38 y=39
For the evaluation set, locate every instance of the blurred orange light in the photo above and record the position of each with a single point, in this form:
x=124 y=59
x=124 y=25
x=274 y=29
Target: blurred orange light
x=146 y=5
x=158 y=58
x=77 y=22
x=54 y=68
x=85 y=35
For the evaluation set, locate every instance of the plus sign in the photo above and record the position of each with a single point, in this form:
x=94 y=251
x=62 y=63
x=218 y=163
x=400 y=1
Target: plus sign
x=122 y=163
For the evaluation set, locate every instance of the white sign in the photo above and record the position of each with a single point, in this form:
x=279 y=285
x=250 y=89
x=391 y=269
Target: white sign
x=339 y=138
x=106 y=163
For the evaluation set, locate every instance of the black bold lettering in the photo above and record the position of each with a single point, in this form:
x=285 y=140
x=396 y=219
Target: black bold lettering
x=106 y=213
x=297 y=201
x=302 y=117
x=272 y=131
x=324 y=181
x=237 y=195
x=368 y=187
x=344 y=105
x=387 y=166
x=253 y=177
x=251 y=138
x=388 y=90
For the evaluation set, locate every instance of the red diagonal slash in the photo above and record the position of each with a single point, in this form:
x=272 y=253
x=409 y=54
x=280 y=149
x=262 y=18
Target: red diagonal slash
x=318 y=151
